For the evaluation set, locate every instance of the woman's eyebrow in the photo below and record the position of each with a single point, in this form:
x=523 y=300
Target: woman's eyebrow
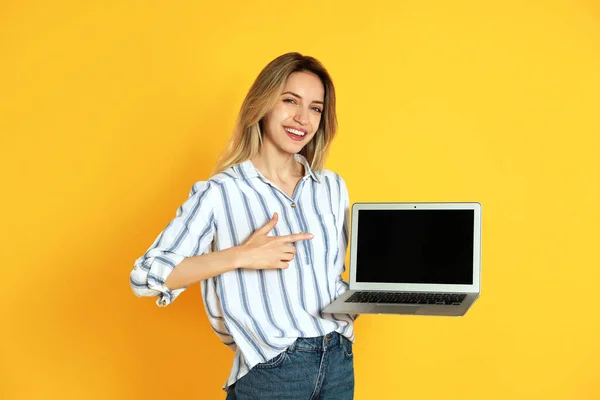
x=300 y=97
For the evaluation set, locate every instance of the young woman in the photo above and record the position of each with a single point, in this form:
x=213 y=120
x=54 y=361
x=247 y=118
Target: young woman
x=266 y=237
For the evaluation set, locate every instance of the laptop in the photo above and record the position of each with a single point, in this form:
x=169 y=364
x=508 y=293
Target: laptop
x=413 y=258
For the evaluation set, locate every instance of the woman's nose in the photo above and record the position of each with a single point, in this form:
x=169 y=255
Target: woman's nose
x=301 y=117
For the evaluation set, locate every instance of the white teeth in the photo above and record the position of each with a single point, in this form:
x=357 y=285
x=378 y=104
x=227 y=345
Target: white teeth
x=294 y=131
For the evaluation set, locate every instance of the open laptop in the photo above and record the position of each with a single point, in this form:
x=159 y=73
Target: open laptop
x=413 y=258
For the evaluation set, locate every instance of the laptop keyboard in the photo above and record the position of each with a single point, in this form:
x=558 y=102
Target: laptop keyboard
x=406 y=298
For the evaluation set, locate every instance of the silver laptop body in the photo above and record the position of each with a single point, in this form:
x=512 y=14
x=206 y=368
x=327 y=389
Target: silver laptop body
x=413 y=258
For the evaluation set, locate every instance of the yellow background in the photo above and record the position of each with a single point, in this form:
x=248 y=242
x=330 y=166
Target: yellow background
x=111 y=110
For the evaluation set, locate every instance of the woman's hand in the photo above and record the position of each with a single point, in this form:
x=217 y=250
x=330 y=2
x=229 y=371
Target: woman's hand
x=260 y=251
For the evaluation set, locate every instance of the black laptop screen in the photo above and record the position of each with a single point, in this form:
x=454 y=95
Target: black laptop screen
x=415 y=246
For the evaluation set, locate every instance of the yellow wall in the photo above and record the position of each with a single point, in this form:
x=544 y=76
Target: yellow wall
x=110 y=110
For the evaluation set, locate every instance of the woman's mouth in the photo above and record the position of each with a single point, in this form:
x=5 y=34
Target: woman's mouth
x=295 y=134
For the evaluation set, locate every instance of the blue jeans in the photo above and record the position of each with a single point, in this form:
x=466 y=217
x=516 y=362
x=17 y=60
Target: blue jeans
x=320 y=368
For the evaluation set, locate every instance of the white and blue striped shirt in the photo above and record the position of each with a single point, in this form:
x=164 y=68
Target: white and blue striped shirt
x=258 y=313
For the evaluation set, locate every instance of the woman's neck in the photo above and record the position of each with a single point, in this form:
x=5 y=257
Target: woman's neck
x=277 y=166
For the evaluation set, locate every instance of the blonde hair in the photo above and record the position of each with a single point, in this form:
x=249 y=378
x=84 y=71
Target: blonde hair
x=262 y=97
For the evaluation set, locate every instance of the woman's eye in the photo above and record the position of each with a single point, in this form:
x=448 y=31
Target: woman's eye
x=317 y=109
x=290 y=101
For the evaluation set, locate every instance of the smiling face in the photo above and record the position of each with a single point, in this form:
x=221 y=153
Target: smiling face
x=294 y=120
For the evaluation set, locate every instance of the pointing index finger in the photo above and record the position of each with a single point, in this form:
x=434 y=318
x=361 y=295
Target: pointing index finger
x=297 y=237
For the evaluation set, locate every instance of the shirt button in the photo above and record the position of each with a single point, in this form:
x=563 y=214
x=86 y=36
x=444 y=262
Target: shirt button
x=135 y=267
x=293 y=205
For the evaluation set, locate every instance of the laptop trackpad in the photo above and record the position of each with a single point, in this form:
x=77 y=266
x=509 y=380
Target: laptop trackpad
x=389 y=309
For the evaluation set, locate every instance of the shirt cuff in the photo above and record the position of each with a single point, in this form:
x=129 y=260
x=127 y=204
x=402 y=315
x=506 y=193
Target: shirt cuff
x=160 y=267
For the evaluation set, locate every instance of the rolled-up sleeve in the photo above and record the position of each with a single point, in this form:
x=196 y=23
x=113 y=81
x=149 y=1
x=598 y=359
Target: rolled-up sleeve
x=189 y=234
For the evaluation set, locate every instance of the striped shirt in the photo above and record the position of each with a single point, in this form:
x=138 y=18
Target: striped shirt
x=258 y=313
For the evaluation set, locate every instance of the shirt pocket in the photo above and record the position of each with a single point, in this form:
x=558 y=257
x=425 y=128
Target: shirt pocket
x=326 y=237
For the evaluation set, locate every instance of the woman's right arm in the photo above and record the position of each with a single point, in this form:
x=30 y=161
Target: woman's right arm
x=177 y=257
x=259 y=251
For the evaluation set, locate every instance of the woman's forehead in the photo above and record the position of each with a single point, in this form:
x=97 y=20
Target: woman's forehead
x=305 y=84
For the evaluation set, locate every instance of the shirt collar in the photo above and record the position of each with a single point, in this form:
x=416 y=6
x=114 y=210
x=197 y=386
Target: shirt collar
x=247 y=170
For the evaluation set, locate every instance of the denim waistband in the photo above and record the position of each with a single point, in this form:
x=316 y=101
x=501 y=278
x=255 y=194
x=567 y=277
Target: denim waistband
x=319 y=343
